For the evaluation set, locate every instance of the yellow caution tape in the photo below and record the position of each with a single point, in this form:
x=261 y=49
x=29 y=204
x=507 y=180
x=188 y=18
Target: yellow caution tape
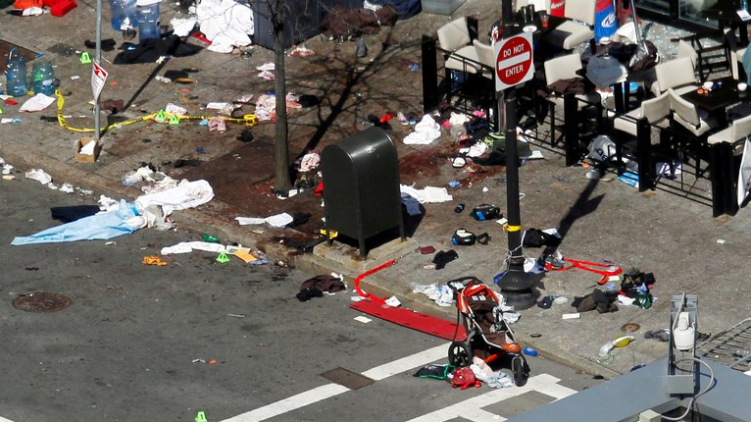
x=330 y=233
x=249 y=120
x=510 y=228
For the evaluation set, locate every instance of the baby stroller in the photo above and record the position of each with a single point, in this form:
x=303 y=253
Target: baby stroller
x=488 y=336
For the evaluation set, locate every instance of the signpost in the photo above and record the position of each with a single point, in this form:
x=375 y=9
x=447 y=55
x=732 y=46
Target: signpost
x=514 y=63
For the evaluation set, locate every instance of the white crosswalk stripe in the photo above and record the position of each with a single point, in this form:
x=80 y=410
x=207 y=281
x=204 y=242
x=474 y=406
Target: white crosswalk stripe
x=470 y=409
x=543 y=383
x=330 y=390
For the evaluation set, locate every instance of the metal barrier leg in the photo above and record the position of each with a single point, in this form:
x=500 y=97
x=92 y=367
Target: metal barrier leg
x=721 y=173
x=571 y=129
x=429 y=74
x=643 y=155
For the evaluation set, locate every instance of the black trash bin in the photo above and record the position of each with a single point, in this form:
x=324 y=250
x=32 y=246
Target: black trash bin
x=361 y=188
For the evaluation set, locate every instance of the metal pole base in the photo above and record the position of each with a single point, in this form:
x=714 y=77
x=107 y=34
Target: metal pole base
x=517 y=286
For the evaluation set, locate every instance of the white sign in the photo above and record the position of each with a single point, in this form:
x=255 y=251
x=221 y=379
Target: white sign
x=514 y=62
x=98 y=78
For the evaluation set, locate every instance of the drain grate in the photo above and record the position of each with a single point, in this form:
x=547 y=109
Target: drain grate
x=347 y=378
x=42 y=302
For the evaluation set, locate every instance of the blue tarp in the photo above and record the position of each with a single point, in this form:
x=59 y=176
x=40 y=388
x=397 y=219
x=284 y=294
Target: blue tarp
x=96 y=227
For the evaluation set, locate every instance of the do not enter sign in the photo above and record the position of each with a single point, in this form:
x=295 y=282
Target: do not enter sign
x=514 y=61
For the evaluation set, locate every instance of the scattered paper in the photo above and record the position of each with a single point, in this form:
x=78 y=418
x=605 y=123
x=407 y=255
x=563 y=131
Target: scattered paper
x=245 y=256
x=173 y=109
x=37 y=103
x=393 y=301
x=363 y=319
x=39 y=175
x=279 y=220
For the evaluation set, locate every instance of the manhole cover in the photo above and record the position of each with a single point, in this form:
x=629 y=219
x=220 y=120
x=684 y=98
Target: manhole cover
x=347 y=378
x=630 y=327
x=42 y=302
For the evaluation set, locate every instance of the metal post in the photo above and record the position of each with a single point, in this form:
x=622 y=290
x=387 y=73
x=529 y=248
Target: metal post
x=97 y=128
x=515 y=284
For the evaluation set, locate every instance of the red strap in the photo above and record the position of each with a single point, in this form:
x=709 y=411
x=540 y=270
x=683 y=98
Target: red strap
x=367 y=273
x=587 y=266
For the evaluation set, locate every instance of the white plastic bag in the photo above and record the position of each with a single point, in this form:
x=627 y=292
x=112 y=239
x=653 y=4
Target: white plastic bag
x=602 y=148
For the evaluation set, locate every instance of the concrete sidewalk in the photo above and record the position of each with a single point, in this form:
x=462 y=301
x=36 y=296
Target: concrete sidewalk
x=671 y=235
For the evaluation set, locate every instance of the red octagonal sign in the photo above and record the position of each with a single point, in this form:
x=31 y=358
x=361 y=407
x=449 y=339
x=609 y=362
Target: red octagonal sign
x=514 y=63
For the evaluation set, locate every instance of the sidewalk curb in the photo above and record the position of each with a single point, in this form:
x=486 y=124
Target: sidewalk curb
x=203 y=222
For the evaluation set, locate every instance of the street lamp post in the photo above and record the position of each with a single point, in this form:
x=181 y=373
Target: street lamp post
x=516 y=285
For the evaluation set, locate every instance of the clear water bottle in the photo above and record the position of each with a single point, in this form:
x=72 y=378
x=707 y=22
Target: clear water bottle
x=148 y=22
x=43 y=77
x=16 y=79
x=124 y=15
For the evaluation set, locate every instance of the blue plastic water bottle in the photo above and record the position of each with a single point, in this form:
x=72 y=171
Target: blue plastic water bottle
x=148 y=22
x=16 y=83
x=123 y=15
x=43 y=77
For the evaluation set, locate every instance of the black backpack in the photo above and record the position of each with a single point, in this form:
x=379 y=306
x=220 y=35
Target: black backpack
x=645 y=57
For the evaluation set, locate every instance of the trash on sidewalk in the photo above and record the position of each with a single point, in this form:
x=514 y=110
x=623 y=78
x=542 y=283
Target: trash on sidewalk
x=187 y=194
x=435 y=371
x=605 y=356
x=442 y=258
x=37 y=103
x=429 y=194
x=439 y=293
x=103 y=226
x=217 y=124
x=153 y=260
x=426 y=131
x=529 y=351
x=661 y=335
x=314 y=287
x=87 y=150
x=226 y=24
x=486 y=212
x=604 y=302
x=39 y=175
x=278 y=220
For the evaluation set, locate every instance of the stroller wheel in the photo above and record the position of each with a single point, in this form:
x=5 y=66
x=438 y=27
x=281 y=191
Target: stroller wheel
x=520 y=369
x=460 y=354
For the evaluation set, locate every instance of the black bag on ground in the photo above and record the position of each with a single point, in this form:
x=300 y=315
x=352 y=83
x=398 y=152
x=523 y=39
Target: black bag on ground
x=645 y=56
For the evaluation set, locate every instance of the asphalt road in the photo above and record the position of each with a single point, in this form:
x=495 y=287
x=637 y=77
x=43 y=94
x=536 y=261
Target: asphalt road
x=149 y=343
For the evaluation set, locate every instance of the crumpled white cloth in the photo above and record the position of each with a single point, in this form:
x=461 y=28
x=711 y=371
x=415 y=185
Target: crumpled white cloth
x=476 y=150
x=39 y=175
x=426 y=131
x=183 y=27
x=226 y=23
x=279 y=220
x=494 y=379
x=458 y=119
x=187 y=247
x=37 y=103
x=429 y=194
x=183 y=196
